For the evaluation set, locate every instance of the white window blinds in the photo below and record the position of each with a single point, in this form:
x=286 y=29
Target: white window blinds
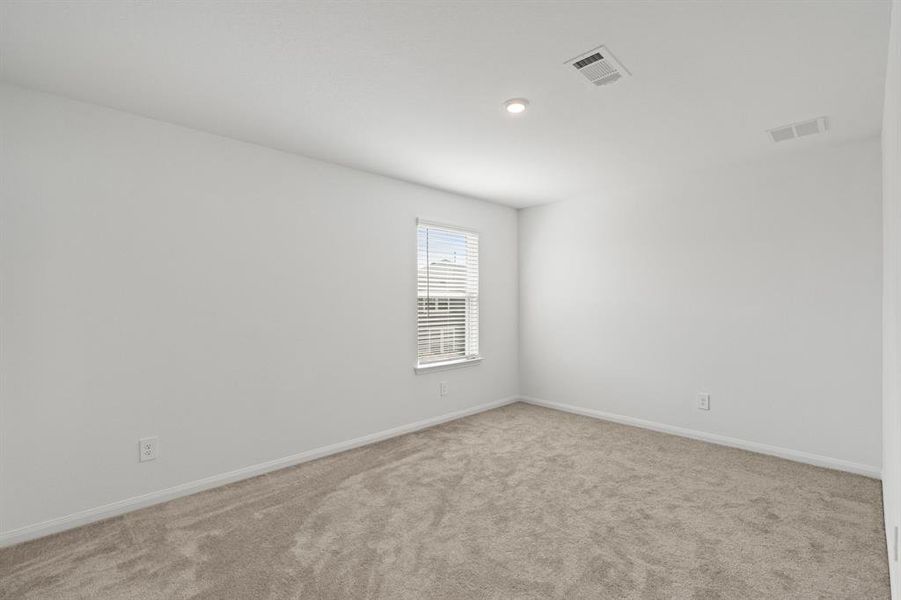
x=447 y=266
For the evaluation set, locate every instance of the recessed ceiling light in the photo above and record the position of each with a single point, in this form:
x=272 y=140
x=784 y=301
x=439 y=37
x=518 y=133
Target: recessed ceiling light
x=516 y=106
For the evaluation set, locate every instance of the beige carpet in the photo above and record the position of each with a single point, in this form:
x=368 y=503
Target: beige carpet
x=517 y=503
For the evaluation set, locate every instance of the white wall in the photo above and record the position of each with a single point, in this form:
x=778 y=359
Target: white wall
x=891 y=338
x=162 y=281
x=758 y=284
x=241 y=303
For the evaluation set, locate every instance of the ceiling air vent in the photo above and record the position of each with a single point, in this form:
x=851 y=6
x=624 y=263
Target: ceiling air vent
x=802 y=129
x=599 y=66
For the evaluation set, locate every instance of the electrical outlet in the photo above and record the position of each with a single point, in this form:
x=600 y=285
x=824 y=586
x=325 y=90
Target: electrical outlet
x=147 y=448
x=703 y=401
x=442 y=388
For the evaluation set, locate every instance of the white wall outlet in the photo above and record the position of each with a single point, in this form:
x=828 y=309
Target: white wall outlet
x=148 y=448
x=703 y=401
x=442 y=388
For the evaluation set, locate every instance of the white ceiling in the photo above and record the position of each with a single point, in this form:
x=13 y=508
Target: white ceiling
x=414 y=89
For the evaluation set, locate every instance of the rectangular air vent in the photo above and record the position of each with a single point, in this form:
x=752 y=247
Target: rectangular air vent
x=802 y=129
x=599 y=66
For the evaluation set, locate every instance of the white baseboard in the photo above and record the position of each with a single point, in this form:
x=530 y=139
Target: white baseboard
x=713 y=438
x=889 y=512
x=30 y=532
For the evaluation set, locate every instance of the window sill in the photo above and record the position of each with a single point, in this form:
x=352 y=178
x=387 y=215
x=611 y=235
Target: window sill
x=448 y=364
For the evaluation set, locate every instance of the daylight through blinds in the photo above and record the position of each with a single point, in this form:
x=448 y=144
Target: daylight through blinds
x=447 y=293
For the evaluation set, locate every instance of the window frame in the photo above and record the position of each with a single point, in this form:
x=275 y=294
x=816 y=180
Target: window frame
x=465 y=361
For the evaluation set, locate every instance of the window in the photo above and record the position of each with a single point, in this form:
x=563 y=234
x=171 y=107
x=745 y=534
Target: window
x=447 y=282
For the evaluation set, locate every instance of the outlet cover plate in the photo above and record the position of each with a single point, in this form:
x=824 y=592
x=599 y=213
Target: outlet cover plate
x=703 y=401
x=147 y=448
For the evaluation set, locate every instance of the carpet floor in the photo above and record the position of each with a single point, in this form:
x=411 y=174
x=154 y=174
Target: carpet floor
x=520 y=502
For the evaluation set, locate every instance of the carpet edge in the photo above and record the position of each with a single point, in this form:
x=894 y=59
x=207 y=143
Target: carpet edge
x=120 y=507
x=817 y=460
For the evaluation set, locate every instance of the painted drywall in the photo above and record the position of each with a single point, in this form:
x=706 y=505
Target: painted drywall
x=758 y=284
x=891 y=306
x=425 y=102
x=241 y=303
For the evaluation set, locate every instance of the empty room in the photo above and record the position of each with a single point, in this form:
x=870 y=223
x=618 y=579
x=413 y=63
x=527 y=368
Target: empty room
x=449 y=300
